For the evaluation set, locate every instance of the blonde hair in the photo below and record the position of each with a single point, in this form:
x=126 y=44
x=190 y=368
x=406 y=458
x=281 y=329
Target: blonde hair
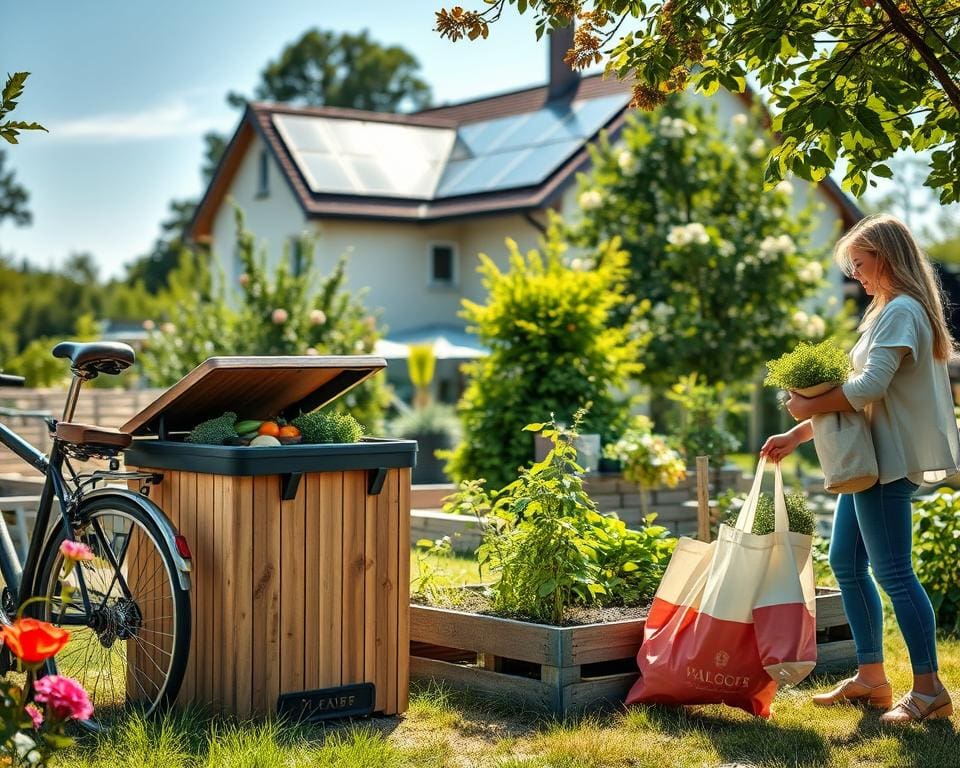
x=906 y=268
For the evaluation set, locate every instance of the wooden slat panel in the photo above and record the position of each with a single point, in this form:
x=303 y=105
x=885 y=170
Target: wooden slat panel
x=354 y=522
x=242 y=619
x=485 y=634
x=403 y=591
x=602 y=642
x=392 y=488
x=370 y=590
x=331 y=565
x=830 y=611
x=523 y=690
x=271 y=658
x=292 y=590
x=186 y=484
x=215 y=661
x=384 y=595
x=227 y=524
x=264 y=589
x=204 y=560
x=312 y=567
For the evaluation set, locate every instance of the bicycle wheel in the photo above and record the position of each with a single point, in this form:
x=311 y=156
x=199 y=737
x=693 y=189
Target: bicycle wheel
x=129 y=650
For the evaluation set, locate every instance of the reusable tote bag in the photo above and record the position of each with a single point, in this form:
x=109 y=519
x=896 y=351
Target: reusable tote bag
x=844 y=447
x=732 y=619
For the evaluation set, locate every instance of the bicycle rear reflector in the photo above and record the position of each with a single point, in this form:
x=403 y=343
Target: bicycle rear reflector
x=328 y=703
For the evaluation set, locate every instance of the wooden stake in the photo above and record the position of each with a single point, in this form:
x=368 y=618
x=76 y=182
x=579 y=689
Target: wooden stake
x=703 y=498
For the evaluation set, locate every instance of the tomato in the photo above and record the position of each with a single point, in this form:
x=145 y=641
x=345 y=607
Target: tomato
x=289 y=431
x=269 y=428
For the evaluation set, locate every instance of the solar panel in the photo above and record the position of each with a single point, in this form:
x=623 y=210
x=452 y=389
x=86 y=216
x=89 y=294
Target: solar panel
x=361 y=157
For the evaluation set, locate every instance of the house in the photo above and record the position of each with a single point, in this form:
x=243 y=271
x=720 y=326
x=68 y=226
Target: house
x=414 y=198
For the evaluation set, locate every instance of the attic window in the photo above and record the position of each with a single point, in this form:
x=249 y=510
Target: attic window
x=443 y=264
x=263 y=175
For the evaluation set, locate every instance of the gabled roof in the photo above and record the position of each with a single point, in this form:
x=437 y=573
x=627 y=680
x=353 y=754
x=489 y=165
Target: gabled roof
x=514 y=151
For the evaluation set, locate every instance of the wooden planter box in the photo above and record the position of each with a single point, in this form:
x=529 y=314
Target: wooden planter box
x=563 y=669
x=301 y=555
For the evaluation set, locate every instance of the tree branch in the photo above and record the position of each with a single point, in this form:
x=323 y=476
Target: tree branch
x=902 y=26
x=936 y=32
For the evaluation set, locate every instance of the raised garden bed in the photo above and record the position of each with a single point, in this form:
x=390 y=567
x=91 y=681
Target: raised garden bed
x=564 y=669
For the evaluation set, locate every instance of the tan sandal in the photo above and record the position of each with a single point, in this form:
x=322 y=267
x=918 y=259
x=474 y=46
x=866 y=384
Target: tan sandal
x=877 y=696
x=910 y=709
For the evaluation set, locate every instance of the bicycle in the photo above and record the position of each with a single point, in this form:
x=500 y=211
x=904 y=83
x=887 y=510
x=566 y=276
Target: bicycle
x=128 y=609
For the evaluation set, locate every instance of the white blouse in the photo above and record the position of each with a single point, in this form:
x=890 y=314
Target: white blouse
x=905 y=395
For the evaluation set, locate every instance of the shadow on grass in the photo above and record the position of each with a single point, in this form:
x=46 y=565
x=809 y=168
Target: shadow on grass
x=932 y=744
x=740 y=738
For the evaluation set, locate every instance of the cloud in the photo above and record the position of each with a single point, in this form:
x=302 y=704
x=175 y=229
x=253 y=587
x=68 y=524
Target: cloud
x=175 y=118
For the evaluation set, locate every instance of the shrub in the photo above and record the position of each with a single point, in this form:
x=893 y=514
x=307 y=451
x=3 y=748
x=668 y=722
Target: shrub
x=936 y=554
x=553 y=348
x=548 y=546
x=434 y=419
x=808 y=365
x=699 y=419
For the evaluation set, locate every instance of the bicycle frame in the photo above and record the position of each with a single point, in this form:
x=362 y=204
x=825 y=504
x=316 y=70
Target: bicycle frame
x=21 y=577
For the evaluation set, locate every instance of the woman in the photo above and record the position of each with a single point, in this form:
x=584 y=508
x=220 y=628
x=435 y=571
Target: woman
x=900 y=382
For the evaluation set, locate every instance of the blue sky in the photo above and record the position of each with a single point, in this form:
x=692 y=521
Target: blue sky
x=127 y=89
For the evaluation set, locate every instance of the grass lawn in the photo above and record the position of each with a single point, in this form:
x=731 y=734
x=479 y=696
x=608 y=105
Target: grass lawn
x=447 y=729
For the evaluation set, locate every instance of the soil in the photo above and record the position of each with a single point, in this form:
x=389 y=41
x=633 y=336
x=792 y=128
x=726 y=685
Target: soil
x=474 y=601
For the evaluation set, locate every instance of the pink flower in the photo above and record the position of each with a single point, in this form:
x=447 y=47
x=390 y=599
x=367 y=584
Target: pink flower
x=279 y=316
x=149 y=325
x=318 y=317
x=312 y=351
x=75 y=550
x=64 y=697
x=35 y=715
x=244 y=279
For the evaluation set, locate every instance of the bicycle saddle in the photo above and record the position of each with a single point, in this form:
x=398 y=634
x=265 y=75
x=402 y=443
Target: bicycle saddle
x=95 y=357
x=90 y=435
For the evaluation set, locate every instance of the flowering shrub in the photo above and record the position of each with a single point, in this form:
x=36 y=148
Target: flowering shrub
x=29 y=735
x=808 y=365
x=647 y=458
x=725 y=265
x=286 y=311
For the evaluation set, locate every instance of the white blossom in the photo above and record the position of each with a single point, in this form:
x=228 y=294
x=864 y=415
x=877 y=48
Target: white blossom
x=771 y=247
x=757 y=148
x=662 y=311
x=627 y=162
x=800 y=318
x=739 y=120
x=816 y=326
x=678 y=236
x=694 y=232
x=784 y=188
x=698 y=233
x=726 y=248
x=590 y=200
x=675 y=128
x=811 y=272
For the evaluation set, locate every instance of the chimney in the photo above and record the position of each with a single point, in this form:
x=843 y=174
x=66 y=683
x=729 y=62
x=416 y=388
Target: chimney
x=563 y=80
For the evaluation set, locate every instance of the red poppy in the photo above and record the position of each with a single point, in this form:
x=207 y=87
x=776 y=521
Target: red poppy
x=33 y=641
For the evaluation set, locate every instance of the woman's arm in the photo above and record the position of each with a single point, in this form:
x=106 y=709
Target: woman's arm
x=802 y=408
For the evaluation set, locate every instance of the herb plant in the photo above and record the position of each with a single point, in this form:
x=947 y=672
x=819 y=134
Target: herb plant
x=549 y=548
x=799 y=513
x=808 y=365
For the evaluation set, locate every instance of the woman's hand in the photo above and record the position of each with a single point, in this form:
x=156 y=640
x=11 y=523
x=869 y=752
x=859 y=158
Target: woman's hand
x=799 y=406
x=778 y=447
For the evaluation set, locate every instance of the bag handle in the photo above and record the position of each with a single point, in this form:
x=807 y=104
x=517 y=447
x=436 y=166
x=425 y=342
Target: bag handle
x=748 y=512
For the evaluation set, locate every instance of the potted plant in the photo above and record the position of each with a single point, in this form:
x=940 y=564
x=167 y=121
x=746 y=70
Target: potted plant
x=809 y=369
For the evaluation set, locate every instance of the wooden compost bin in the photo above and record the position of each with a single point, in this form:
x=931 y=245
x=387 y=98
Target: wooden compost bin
x=301 y=556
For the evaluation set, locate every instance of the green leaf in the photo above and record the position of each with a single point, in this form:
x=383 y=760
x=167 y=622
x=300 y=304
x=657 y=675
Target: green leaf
x=547 y=588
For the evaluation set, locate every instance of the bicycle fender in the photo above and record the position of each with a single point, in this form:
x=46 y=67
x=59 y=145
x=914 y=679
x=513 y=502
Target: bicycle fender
x=167 y=531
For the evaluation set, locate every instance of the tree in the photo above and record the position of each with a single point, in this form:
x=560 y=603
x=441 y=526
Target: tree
x=13 y=197
x=852 y=79
x=727 y=267
x=324 y=69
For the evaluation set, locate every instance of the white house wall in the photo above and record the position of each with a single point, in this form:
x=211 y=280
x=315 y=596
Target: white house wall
x=273 y=218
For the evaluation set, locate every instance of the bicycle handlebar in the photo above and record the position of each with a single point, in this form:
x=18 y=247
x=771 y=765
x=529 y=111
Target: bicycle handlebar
x=6 y=380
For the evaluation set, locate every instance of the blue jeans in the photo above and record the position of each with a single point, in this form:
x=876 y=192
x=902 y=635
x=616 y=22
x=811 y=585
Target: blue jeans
x=875 y=528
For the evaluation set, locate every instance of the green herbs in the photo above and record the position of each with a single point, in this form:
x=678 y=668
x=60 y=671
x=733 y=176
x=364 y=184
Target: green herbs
x=808 y=365
x=328 y=427
x=798 y=513
x=550 y=548
x=214 y=431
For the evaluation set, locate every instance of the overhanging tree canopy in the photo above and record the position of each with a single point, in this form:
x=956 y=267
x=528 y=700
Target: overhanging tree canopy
x=851 y=79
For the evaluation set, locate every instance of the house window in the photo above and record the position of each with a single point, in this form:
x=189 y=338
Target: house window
x=443 y=264
x=296 y=256
x=263 y=175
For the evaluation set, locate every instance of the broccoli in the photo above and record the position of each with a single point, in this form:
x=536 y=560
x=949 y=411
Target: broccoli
x=214 y=431
x=328 y=427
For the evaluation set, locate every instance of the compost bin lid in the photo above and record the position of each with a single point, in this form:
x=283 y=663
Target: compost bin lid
x=253 y=388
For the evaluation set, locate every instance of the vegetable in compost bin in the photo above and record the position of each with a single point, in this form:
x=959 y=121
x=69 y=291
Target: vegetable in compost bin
x=214 y=431
x=328 y=427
